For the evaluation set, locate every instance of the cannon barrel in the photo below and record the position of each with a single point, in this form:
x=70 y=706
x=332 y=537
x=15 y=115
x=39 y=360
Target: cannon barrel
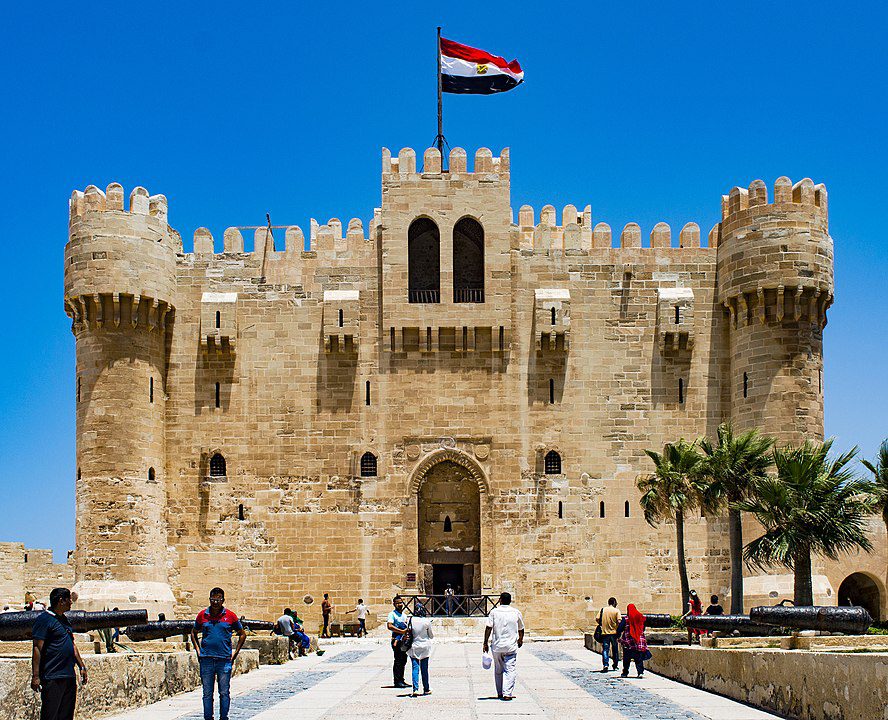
x=657 y=620
x=17 y=625
x=158 y=630
x=851 y=620
x=728 y=624
x=257 y=625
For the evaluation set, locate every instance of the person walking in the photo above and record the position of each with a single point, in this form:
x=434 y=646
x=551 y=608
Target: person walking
x=326 y=609
x=216 y=624
x=421 y=649
x=361 y=611
x=695 y=607
x=609 y=619
x=631 y=632
x=506 y=626
x=285 y=626
x=448 y=600
x=397 y=622
x=53 y=657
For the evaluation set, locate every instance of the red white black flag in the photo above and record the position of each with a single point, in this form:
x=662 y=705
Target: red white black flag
x=467 y=70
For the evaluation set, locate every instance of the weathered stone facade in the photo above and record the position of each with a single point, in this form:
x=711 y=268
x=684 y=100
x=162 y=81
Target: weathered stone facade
x=30 y=570
x=387 y=403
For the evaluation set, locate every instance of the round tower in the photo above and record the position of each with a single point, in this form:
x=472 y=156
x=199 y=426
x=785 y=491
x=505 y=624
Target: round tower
x=775 y=278
x=119 y=292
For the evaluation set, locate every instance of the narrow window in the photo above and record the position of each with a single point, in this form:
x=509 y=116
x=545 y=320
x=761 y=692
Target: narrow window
x=218 y=396
x=553 y=316
x=78 y=388
x=820 y=381
x=392 y=338
x=626 y=509
x=240 y=512
x=560 y=509
x=217 y=465
x=601 y=509
x=218 y=319
x=340 y=317
x=677 y=315
x=151 y=389
x=368 y=465
x=745 y=385
x=448 y=526
x=367 y=393
x=26 y=557
x=681 y=390
x=151 y=475
x=552 y=463
x=502 y=338
x=428 y=339
x=465 y=339
x=79 y=474
x=551 y=391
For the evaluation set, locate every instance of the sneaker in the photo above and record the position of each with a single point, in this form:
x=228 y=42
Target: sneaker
x=625 y=674
x=427 y=692
x=508 y=697
x=604 y=670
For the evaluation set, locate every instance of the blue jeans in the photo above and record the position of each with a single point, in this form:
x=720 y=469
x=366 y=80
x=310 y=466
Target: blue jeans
x=218 y=670
x=420 y=666
x=610 y=650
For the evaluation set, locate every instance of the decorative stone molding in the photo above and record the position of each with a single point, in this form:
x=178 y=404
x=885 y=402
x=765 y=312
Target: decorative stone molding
x=445 y=455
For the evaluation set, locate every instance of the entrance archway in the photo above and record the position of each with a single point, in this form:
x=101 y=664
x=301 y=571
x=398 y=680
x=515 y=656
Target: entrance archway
x=860 y=589
x=449 y=529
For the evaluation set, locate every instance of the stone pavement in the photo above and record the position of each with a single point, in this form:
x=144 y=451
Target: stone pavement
x=353 y=680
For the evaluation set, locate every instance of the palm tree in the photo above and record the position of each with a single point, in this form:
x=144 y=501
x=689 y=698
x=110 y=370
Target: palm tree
x=813 y=505
x=669 y=492
x=879 y=469
x=730 y=468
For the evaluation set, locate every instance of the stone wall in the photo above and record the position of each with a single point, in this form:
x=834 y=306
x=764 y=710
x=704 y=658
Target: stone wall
x=796 y=684
x=116 y=682
x=25 y=570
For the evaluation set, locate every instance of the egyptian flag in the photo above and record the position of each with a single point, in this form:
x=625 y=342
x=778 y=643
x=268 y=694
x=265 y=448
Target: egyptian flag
x=467 y=70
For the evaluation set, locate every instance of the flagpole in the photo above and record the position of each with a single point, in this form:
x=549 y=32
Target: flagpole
x=439 y=139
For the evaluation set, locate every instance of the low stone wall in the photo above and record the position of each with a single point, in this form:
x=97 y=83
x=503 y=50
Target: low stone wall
x=116 y=682
x=797 y=684
x=273 y=649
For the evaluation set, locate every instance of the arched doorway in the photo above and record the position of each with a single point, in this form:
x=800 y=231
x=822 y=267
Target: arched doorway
x=449 y=529
x=860 y=589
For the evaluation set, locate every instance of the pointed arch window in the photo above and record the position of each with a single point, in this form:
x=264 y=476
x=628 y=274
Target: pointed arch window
x=423 y=262
x=468 y=261
x=217 y=466
x=368 y=465
x=448 y=525
x=552 y=464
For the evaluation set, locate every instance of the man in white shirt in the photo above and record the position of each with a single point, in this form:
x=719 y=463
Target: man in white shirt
x=361 y=610
x=506 y=626
x=286 y=627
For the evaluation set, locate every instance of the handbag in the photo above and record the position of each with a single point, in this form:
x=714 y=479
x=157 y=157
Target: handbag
x=598 y=636
x=405 y=642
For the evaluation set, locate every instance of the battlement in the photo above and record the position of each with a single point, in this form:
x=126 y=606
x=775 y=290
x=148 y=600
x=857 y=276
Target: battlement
x=576 y=233
x=111 y=200
x=804 y=194
x=486 y=166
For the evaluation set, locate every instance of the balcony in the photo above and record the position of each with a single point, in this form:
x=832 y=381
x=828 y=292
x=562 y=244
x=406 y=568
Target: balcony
x=468 y=295
x=424 y=296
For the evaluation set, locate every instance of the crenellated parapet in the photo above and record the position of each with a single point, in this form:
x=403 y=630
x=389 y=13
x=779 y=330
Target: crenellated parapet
x=486 y=168
x=775 y=259
x=120 y=263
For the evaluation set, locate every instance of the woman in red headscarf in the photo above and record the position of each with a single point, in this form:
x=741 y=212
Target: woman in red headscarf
x=631 y=634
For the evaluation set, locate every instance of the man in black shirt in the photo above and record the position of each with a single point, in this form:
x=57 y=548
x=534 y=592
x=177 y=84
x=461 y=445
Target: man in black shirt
x=714 y=608
x=53 y=658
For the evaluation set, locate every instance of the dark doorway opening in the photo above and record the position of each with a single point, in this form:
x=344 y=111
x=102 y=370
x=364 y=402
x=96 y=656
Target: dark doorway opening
x=444 y=575
x=858 y=589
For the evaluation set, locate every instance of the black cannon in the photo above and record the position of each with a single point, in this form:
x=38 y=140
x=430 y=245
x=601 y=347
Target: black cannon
x=17 y=625
x=158 y=630
x=850 y=620
x=257 y=625
x=657 y=620
x=728 y=624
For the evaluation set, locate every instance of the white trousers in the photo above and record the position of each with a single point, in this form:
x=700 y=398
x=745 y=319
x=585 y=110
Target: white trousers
x=504 y=672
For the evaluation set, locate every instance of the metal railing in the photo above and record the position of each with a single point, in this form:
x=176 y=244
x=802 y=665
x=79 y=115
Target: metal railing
x=424 y=296
x=452 y=606
x=468 y=295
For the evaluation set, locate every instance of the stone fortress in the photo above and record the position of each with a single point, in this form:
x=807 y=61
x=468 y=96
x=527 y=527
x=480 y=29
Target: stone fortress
x=445 y=396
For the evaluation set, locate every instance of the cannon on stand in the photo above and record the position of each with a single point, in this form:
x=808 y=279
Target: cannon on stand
x=18 y=625
x=257 y=626
x=729 y=624
x=158 y=630
x=848 y=620
x=657 y=620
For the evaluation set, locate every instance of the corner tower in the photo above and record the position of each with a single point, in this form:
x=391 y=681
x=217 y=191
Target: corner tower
x=775 y=278
x=119 y=292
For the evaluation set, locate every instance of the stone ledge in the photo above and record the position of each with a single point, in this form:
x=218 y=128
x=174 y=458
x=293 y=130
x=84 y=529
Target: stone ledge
x=116 y=682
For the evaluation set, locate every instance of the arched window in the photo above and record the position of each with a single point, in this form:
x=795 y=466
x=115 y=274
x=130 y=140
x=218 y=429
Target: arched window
x=151 y=475
x=553 y=316
x=448 y=525
x=368 y=465
x=552 y=463
x=423 y=262
x=560 y=509
x=217 y=465
x=240 y=512
x=218 y=319
x=468 y=261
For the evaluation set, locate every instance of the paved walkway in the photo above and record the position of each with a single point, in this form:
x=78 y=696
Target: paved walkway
x=353 y=680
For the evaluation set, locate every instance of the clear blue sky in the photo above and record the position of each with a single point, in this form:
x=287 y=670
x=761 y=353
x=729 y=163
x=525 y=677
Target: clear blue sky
x=648 y=112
